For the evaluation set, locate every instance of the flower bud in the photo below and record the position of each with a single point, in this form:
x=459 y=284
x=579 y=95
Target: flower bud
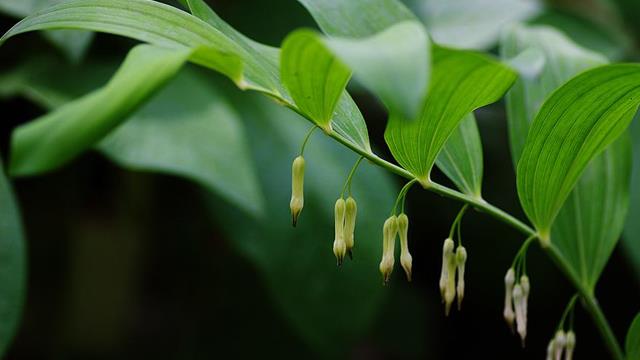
x=551 y=349
x=526 y=288
x=447 y=252
x=461 y=259
x=509 y=281
x=561 y=341
x=339 y=246
x=297 y=189
x=405 y=257
x=450 y=288
x=521 y=323
x=350 y=224
x=570 y=345
x=389 y=231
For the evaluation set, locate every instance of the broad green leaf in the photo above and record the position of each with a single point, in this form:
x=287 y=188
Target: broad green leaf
x=297 y=264
x=162 y=135
x=13 y=267
x=591 y=220
x=356 y=18
x=632 y=342
x=395 y=64
x=454 y=93
x=471 y=24
x=59 y=136
x=314 y=77
x=158 y=24
x=631 y=238
x=188 y=129
x=387 y=49
x=73 y=43
x=214 y=44
x=561 y=60
x=575 y=124
x=461 y=157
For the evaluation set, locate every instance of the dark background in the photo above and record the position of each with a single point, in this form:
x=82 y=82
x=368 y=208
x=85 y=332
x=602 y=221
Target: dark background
x=128 y=264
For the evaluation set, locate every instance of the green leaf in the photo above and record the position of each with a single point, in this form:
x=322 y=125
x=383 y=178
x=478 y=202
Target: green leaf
x=74 y=44
x=154 y=23
x=395 y=64
x=575 y=124
x=461 y=157
x=384 y=45
x=471 y=24
x=314 y=77
x=287 y=257
x=454 y=93
x=356 y=18
x=214 y=44
x=632 y=342
x=631 y=238
x=591 y=220
x=188 y=129
x=56 y=138
x=13 y=267
x=561 y=60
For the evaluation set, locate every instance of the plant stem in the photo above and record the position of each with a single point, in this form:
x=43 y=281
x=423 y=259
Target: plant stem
x=588 y=298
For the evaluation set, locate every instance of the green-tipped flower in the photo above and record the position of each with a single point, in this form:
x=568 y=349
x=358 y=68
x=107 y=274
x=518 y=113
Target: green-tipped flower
x=447 y=253
x=297 y=189
x=570 y=345
x=405 y=256
x=551 y=349
x=350 y=224
x=389 y=231
x=509 y=281
x=461 y=259
x=339 y=246
x=560 y=341
x=526 y=289
x=521 y=324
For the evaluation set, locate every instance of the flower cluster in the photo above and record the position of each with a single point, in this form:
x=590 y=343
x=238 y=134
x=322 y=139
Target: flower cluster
x=452 y=263
x=516 y=297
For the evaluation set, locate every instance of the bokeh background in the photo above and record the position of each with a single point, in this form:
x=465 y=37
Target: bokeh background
x=125 y=262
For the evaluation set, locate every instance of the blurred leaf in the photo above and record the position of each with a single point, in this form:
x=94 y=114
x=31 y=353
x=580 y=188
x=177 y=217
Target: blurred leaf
x=561 y=60
x=356 y=18
x=314 y=77
x=631 y=238
x=575 y=124
x=59 y=136
x=471 y=24
x=453 y=95
x=188 y=129
x=461 y=157
x=591 y=220
x=607 y=41
x=12 y=264
x=330 y=307
x=395 y=64
x=72 y=42
x=632 y=342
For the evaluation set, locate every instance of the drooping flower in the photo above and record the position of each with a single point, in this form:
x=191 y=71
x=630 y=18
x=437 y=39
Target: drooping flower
x=339 y=246
x=447 y=253
x=350 y=224
x=389 y=232
x=461 y=259
x=405 y=257
x=297 y=189
x=509 y=281
x=570 y=345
